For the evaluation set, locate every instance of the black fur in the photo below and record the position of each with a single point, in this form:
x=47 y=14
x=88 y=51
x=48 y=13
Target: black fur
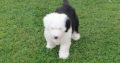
x=67 y=25
x=70 y=12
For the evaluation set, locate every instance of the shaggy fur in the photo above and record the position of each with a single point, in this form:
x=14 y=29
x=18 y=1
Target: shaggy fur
x=60 y=27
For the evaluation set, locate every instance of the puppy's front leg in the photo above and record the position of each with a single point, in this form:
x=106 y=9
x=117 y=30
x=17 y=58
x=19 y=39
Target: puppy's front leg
x=50 y=44
x=64 y=49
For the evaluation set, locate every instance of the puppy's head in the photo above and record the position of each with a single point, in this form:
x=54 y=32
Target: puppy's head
x=56 y=24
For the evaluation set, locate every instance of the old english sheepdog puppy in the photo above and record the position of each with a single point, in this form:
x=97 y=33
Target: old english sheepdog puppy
x=61 y=27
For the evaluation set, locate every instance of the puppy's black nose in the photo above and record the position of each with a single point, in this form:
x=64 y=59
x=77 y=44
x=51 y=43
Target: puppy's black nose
x=56 y=37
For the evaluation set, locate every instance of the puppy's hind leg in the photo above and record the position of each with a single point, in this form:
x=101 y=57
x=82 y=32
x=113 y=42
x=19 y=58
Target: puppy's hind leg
x=76 y=34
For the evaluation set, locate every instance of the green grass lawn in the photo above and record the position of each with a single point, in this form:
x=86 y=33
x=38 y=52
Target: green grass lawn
x=22 y=40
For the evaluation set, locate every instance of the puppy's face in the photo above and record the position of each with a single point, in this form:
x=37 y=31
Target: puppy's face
x=55 y=24
x=56 y=32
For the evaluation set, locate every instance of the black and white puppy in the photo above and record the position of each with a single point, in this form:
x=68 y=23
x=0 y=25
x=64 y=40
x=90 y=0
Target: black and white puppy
x=61 y=27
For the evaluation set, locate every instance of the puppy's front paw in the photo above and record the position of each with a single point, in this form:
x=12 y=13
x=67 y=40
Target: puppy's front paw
x=63 y=55
x=50 y=46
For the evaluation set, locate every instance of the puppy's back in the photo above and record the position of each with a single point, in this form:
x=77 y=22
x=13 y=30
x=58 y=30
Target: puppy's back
x=67 y=9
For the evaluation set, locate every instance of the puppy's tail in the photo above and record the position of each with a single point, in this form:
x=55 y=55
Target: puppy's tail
x=65 y=2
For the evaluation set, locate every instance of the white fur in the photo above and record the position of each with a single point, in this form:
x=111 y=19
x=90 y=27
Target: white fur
x=75 y=36
x=55 y=27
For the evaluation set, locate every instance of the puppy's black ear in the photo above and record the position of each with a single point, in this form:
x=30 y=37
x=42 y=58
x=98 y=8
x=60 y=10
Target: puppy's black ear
x=67 y=25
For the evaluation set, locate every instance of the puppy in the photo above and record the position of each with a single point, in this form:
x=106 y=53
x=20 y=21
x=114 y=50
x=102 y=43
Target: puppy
x=61 y=27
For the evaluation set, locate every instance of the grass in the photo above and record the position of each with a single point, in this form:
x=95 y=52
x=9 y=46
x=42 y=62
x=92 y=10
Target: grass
x=21 y=32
